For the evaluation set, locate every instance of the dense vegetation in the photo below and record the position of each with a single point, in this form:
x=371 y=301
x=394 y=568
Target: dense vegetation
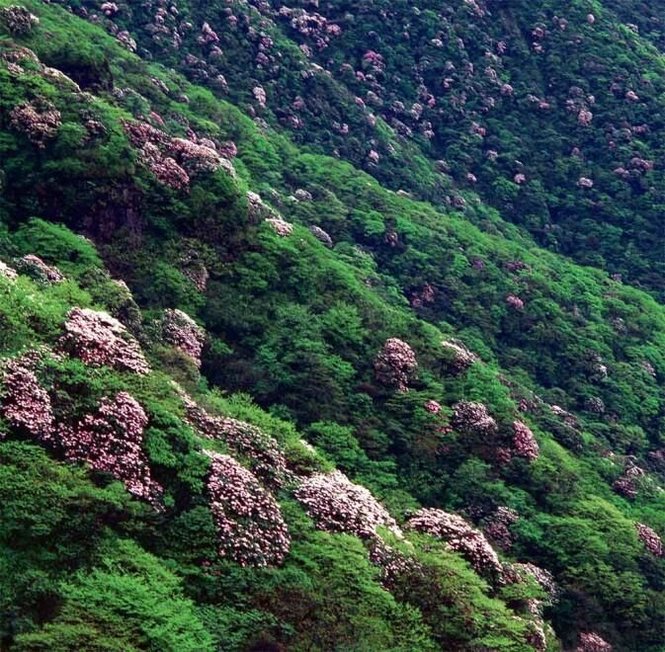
x=256 y=398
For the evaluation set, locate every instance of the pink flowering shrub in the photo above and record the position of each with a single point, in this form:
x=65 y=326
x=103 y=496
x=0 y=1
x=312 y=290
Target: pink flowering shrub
x=36 y=268
x=497 y=527
x=280 y=227
x=432 y=406
x=8 y=272
x=262 y=451
x=544 y=578
x=460 y=537
x=98 y=339
x=173 y=160
x=514 y=302
x=38 y=120
x=248 y=519
x=25 y=404
x=524 y=442
x=393 y=563
x=474 y=418
x=338 y=505
x=194 y=269
x=652 y=542
x=422 y=296
x=180 y=330
x=19 y=20
x=592 y=642
x=321 y=235
x=458 y=357
x=628 y=484
x=395 y=364
x=585 y=182
x=110 y=440
x=260 y=96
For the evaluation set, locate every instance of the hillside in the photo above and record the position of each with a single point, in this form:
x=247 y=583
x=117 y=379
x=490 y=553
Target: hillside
x=304 y=347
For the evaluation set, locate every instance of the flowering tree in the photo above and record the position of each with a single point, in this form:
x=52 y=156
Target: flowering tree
x=395 y=364
x=99 y=339
x=181 y=331
x=262 y=451
x=25 y=404
x=652 y=542
x=38 y=120
x=473 y=418
x=111 y=440
x=460 y=537
x=249 y=522
x=592 y=642
x=524 y=442
x=338 y=505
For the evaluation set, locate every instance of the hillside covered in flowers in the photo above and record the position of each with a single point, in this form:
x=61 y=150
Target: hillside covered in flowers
x=332 y=326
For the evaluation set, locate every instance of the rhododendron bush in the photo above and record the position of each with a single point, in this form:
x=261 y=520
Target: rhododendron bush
x=262 y=451
x=111 y=440
x=181 y=331
x=338 y=505
x=249 y=522
x=395 y=364
x=25 y=404
x=460 y=537
x=99 y=339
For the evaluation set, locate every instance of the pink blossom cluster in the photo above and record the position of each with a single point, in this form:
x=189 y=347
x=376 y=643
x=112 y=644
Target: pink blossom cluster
x=497 y=527
x=8 y=272
x=19 y=20
x=194 y=269
x=321 y=235
x=460 y=537
x=38 y=269
x=98 y=339
x=311 y=25
x=111 y=440
x=584 y=117
x=393 y=563
x=373 y=60
x=260 y=96
x=109 y=9
x=458 y=357
x=248 y=519
x=544 y=578
x=652 y=542
x=280 y=226
x=524 y=442
x=426 y=294
x=474 y=418
x=627 y=485
x=585 y=182
x=172 y=160
x=208 y=36
x=432 y=406
x=38 y=120
x=514 y=302
x=338 y=505
x=257 y=208
x=126 y=39
x=568 y=418
x=181 y=331
x=592 y=642
x=395 y=364
x=25 y=404
x=261 y=450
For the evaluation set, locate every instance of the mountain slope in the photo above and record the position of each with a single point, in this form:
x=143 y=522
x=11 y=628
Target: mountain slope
x=552 y=112
x=443 y=361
